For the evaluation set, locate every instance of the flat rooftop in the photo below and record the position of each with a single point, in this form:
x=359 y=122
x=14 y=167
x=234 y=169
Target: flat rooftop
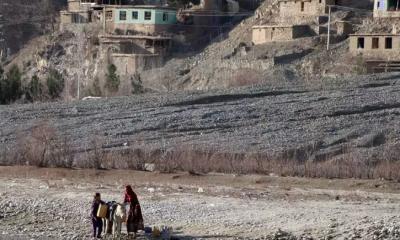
x=373 y=34
x=277 y=26
x=139 y=7
x=127 y=37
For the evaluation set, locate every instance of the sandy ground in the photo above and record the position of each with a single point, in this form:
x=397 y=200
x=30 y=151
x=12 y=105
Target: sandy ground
x=54 y=204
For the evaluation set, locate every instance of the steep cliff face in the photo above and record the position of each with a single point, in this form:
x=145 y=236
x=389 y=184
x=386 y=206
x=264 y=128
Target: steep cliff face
x=22 y=20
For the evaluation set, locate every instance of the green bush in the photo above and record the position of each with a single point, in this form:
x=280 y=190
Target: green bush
x=10 y=85
x=34 y=89
x=55 y=83
x=137 y=84
x=1 y=85
x=112 y=79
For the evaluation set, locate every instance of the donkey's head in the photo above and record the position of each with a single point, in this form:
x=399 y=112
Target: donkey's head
x=120 y=212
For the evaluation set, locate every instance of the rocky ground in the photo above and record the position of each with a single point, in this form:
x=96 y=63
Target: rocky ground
x=54 y=204
x=319 y=123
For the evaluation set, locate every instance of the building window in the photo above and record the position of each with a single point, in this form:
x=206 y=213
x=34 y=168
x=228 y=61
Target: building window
x=388 y=43
x=360 y=43
x=109 y=15
x=302 y=6
x=122 y=15
x=393 y=5
x=375 y=43
x=135 y=15
x=147 y=15
x=165 y=17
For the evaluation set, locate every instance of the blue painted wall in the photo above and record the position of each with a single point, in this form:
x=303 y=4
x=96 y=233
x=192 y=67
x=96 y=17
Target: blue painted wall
x=158 y=16
x=382 y=4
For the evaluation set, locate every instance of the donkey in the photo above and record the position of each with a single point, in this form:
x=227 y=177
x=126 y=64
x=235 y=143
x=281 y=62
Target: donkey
x=118 y=218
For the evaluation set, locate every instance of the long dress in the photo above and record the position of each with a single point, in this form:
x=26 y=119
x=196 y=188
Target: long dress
x=135 y=217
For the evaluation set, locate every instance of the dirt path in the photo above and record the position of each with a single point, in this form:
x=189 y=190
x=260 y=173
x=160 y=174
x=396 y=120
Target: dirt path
x=40 y=205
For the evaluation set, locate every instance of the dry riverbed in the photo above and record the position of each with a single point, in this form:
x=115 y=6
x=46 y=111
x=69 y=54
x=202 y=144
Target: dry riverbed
x=55 y=203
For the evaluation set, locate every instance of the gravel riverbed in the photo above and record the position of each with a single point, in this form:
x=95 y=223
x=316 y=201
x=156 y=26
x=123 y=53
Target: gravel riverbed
x=33 y=208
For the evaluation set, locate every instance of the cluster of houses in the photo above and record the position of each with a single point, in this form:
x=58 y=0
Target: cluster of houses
x=134 y=37
x=304 y=18
x=379 y=45
x=297 y=19
x=137 y=35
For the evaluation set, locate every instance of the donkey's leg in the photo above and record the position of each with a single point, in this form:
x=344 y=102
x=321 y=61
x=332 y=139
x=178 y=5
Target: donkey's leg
x=114 y=228
x=119 y=228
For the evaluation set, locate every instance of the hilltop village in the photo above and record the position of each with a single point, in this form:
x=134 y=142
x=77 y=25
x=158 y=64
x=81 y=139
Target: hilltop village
x=138 y=37
x=113 y=48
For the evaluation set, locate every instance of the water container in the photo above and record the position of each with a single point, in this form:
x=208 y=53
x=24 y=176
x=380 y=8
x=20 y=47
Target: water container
x=102 y=211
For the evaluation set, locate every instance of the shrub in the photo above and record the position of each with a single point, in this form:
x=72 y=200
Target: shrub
x=360 y=67
x=10 y=89
x=55 y=83
x=137 y=85
x=112 y=78
x=2 y=100
x=14 y=83
x=34 y=89
x=34 y=149
x=95 y=89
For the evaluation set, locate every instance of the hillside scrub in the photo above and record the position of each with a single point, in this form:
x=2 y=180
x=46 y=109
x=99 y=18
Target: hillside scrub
x=10 y=85
x=112 y=79
x=55 y=83
x=34 y=90
x=44 y=147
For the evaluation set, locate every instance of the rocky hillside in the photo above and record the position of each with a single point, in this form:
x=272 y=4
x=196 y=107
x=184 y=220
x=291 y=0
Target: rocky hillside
x=23 y=20
x=230 y=60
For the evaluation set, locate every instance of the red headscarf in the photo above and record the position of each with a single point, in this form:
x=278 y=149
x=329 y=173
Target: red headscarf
x=130 y=195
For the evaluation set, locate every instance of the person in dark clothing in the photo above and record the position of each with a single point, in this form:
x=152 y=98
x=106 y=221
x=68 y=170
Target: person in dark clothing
x=96 y=221
x=135 y=218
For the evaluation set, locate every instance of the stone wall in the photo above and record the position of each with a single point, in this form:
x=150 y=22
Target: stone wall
x=233 y=64
x=74 y=5
x=129 y=64
x=265 y=34
x=148 y=29
x=290 y=8
x=67 y=17
x=344 y=28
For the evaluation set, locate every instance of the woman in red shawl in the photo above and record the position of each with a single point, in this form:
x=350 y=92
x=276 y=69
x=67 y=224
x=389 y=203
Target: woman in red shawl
x=135 y=218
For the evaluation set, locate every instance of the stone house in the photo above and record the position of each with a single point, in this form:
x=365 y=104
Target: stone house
x=387 y=8
x=133 y=53
x=344 y=28
x=142 y=19
x=304 y=8
x=265 y=34
x=77 y=12
x=378 y=46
